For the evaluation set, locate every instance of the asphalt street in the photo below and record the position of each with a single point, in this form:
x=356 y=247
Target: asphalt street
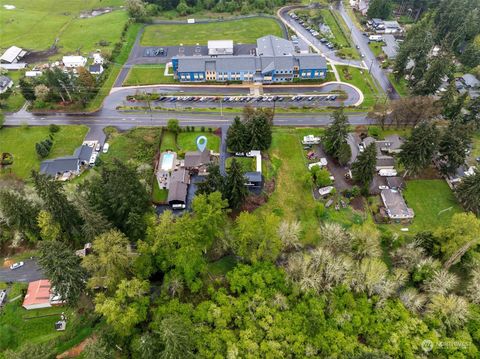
x=371 y=61
x=28 y=273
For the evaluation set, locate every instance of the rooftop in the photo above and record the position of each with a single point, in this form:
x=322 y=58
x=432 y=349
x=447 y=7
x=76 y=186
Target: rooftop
x=12 y=54
x=395 y=205
x=38 y=293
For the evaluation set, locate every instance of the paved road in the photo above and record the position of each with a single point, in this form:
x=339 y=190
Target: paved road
x=28 y=273
x=185 y=119
x=371 y=61
x=306 y=35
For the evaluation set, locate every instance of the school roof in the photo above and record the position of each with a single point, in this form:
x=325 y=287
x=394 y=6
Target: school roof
x=12 y=54
x=38 y=293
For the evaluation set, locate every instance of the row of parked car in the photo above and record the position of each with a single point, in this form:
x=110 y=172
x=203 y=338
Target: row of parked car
x=312 y=31
x=245 y=99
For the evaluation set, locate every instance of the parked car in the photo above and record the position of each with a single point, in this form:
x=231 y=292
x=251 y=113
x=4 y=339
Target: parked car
x=106 y=146
x=98 y=147
x=478 y=159
x=382 y=187
x=16 y=265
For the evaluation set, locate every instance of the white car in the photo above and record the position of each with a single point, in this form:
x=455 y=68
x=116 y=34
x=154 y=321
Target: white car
x=93 y=159
x=97 y=147
x=382 y=187
x=105 y=147
x=16 y=265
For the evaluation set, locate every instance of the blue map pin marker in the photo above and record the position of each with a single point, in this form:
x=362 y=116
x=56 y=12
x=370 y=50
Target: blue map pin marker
x=201 y=143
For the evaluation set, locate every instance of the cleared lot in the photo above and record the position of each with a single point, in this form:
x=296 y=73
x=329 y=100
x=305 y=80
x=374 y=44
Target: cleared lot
x=244 y=31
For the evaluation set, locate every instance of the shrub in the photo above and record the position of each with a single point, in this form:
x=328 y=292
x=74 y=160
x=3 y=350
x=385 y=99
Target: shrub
x=321 y=212
x=53 y=128
x=202 y=129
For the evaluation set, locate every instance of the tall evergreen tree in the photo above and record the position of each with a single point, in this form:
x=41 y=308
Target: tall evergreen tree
x=379 y=9
x=56 y=202
x=419 y=149
x=120 y=196
x=237 y=137
x=448 y=101
x=62 y=267
x=213 y=181
x=336 y=134
x=468 y=192
x=259 y=130
x=235 y=190
x=439 y=67
x=453 y=145
x=19 y=213
x=363 y=168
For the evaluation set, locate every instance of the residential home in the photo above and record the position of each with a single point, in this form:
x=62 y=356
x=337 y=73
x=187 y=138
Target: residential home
x=98 y=59
x=40 y=295
x=254 y=179
x=470 y=81
x=64 y=168
x=395 y=207
x=6 y=83
x=96 y=69
x=391 y=46
x=197 y=161
x=178 y=187
x=455 y=179
x=392 y=27
x=74 y=61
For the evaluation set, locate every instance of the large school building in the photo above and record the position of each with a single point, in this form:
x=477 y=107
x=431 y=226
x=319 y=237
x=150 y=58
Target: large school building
x=273 y=60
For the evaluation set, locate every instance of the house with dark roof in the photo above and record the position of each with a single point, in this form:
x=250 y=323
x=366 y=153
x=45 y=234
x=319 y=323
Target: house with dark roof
x=197 y=161
x=275 y=60
x=95 y=69
x=178 y=188
x=64 y=168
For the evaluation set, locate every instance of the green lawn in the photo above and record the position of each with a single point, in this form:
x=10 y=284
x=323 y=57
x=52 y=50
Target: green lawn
x=400 y=86
x=248 y=163
x=433 y=203
x=376 y=48
x=148 y=75
x=159 y=195
x=335 y=25
x=139 y=144
x=187 y=141
x=361 y=79
x=475 y=150
x=292 y=198
x=245 y=31
x=35 y=25
x=21 y=141
x=114 y=69
x=15 y=101
x=168 y=142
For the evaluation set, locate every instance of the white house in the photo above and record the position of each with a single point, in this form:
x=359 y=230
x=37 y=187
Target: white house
x=74 y=61
x=98 y=59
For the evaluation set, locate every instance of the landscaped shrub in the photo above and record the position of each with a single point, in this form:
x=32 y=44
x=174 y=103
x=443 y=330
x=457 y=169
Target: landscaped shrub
x=53 y=128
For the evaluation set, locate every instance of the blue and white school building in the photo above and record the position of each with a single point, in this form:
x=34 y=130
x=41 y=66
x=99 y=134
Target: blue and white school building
x=273 y=60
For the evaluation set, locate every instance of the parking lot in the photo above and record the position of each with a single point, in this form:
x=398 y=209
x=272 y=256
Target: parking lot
x=300 y=100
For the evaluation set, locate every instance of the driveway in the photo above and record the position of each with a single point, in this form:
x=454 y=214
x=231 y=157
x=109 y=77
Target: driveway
x=338 y=171
x=28 y=273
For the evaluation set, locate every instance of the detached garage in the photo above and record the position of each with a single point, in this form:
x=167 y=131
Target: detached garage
x=39 y=295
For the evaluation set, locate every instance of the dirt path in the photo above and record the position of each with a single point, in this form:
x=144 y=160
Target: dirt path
x=78 y=349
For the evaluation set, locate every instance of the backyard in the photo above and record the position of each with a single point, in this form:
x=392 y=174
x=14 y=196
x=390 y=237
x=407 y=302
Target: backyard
x=74 y=33
x=148 y=75
x=293 y=198
x=248 y=164
x=244 y=31
x=432 y=201
x=15 y=101
x=20 y=141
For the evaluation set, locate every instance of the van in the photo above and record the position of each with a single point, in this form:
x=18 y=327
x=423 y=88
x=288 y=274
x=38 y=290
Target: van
x=375 y=38
x=105 y=147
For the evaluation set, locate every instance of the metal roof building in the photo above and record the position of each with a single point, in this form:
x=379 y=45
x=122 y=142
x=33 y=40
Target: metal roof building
x=12 y=55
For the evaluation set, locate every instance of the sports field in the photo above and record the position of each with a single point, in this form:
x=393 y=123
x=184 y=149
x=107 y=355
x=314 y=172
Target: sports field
x=244 y=31
x=34 y=25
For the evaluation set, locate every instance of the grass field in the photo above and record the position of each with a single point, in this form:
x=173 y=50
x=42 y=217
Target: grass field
x=187 y=141
x=158 y=195
x=139 y=144
x=376 y=48
x=336 y=27
x=433 y=203
x=15 y=101
x=292 y=198
x=245 y=31
x=21 y=141
x=168 y=142
x=400 y=86
x=363 y=81
x=148 y=75
x=248 y=163
x=36 y=25
x=115 y=67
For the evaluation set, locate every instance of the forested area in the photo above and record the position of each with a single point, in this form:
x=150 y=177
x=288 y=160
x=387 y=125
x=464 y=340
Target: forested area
x=453 y=30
